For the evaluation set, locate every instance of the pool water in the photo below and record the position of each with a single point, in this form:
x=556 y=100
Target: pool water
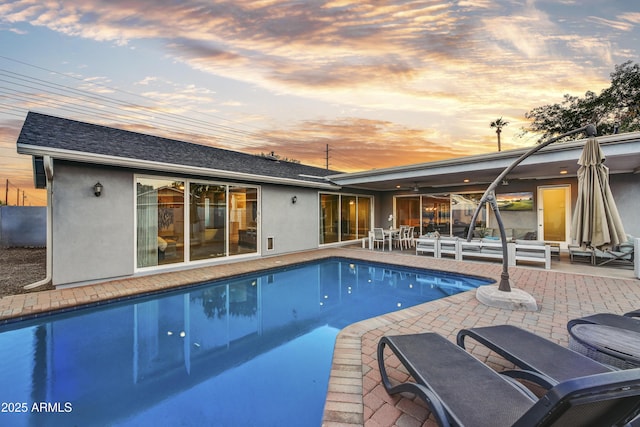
x=249 y=351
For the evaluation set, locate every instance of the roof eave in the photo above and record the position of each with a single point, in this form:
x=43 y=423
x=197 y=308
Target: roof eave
x=374 y=175
x=84 y=157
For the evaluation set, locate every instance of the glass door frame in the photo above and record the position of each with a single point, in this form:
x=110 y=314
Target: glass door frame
x=568 y=211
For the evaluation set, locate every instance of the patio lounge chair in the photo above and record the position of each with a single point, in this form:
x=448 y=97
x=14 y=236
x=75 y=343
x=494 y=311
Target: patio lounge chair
x=539 y=360
x=577 y=253
x=462 y=391
x=622 y=255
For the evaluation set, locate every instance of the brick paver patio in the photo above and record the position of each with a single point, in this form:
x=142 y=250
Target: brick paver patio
x=356 y=396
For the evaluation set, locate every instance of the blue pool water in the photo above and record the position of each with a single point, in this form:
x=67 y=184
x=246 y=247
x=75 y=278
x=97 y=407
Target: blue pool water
x=249 y=351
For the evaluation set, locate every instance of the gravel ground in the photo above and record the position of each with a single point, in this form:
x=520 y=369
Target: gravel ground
x=22 y=266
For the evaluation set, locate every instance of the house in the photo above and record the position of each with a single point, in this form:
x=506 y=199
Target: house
x=122 y=203
x=536 y=199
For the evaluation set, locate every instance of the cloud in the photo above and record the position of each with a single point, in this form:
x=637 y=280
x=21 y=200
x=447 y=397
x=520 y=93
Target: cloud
x=356 y=143
x=403 y=74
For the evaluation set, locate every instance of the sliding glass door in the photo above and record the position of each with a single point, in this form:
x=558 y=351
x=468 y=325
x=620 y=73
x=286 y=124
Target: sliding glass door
x=160 y=221
x=217 y=220
x=344 y=217
x=448 y=214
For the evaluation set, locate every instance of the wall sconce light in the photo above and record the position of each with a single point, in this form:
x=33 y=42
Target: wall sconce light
x=97 y=189
x=294 y=199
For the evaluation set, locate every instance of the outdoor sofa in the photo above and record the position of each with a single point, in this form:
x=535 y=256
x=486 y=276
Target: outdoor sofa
x=486 y=248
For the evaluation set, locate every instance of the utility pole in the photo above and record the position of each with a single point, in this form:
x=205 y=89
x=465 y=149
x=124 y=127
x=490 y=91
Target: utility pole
x=327 y=157
x=6 y=193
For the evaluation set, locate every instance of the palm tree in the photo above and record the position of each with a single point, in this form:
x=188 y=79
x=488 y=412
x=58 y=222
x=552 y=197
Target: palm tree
x=498 y=124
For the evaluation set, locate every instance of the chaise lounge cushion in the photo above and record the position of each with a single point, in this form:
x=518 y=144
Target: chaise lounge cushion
x=536 y=253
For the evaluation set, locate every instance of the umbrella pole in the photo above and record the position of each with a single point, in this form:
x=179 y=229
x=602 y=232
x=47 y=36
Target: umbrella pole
x=489 y=196
x=504 y=277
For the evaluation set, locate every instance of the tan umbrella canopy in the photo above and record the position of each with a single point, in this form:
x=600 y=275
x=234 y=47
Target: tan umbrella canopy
x=596 y=222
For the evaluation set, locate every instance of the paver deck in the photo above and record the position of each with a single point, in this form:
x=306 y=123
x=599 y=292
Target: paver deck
x=355 y=396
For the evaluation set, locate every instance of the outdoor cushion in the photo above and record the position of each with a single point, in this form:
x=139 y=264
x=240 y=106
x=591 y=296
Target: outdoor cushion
x=530 y=242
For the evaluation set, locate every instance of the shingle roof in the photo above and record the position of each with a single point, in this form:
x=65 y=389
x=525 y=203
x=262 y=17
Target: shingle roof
x=55 y=133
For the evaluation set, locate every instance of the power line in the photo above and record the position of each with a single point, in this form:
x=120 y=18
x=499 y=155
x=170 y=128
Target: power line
x=223 y=132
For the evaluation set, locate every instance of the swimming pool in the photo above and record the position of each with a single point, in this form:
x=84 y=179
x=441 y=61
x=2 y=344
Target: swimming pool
x=249 y=351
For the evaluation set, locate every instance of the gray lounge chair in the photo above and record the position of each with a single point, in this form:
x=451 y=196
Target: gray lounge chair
x=462 y=391
x=540 y=361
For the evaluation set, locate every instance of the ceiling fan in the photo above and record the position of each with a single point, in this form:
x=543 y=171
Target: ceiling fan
x=413 y=188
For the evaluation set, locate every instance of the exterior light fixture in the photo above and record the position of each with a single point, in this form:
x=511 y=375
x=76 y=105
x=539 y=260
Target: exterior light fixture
x=465 y=180
x=97 y=189
x=294 y=199
x=563 y=171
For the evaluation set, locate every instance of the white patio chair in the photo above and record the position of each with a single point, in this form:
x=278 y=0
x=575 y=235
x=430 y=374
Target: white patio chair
x=379 y=237
x=409 y=239
x=397 y=239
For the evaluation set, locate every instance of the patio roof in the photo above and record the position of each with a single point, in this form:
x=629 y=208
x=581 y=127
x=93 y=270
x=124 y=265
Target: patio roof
x=622 y=153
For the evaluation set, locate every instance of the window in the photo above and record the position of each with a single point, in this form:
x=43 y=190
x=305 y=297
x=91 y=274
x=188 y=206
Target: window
x=243 y=220
x=364 y=217
x=408 y=211
x=449 y=214
x=463 y=206
x=221 y=221
x=160 y=221
x=436 y=214
x=344 y=217
x=329 y=218
x=207 y=221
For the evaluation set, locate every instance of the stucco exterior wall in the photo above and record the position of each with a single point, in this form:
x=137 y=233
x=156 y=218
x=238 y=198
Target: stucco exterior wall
x=93 y=237
x=626 y=192
x=294 y=227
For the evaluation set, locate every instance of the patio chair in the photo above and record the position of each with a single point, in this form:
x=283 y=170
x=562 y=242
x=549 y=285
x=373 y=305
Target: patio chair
x=398 y=239
x=577 y=253
x=622 y=254
x=539 y=360
x=408 y=237
x=380 y=237
x=462 y=391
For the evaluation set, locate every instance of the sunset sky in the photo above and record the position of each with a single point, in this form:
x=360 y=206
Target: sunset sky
x=383 y=83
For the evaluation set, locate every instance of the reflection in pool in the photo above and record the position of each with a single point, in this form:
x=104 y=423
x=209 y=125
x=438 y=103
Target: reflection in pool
x=254 y=350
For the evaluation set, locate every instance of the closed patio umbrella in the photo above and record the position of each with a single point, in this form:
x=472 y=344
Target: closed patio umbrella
x=596 y=222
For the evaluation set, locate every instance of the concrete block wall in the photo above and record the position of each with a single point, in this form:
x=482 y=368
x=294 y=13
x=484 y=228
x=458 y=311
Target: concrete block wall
x=23 y=226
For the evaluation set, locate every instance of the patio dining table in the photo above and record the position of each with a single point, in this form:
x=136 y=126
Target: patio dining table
x=388 y=232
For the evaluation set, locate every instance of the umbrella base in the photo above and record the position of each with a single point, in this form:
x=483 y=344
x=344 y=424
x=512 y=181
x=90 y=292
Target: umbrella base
x=517 y=299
